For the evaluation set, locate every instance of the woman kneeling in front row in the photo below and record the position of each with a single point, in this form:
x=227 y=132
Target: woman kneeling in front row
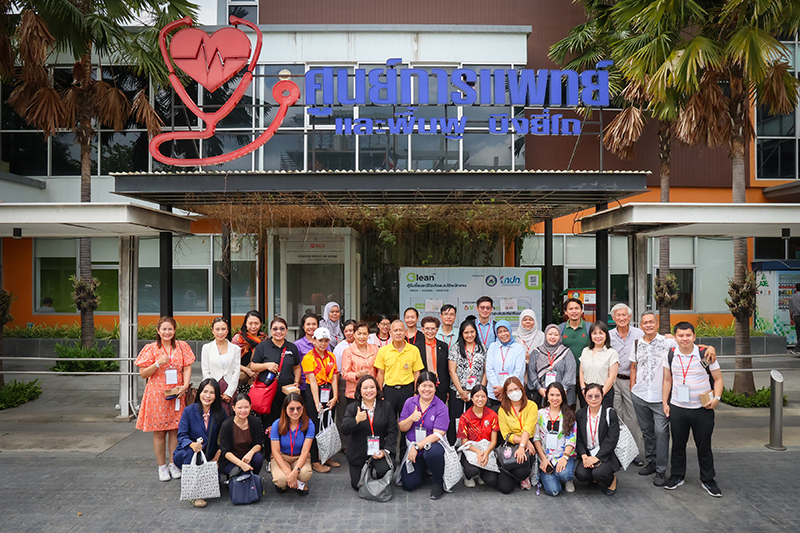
x=241 y=439
x=478 y=427
x=371 y=430
x=517 y=417
x=424 y=420
x=291 y=436
x=555 y=441
x=598 y=432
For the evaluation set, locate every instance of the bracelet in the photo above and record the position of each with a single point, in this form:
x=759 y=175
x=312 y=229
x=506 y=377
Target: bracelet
x=157 y=365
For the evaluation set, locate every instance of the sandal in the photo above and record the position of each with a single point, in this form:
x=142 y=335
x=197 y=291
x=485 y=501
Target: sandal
x=321 y=468
x=199 y=503
x=334 y=464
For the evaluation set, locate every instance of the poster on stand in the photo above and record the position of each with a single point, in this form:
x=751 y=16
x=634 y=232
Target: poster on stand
x=512 y=289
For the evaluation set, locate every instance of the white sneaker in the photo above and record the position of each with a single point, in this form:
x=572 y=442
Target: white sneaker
x=174 y=471
x=468 y=482
x=569 y=486
x=163 y=473
x=480 y=480
x=269 y=468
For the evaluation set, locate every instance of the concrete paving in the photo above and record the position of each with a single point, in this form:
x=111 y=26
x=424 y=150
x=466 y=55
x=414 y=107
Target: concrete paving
x=67 y=464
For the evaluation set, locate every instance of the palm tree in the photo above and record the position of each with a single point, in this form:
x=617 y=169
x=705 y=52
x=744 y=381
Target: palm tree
x=85 y=30
x=727 y=55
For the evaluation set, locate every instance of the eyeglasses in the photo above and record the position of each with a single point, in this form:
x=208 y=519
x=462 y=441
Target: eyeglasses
x=485 y=307
x=594 y=396
x=279 y=329
x=430 y=329
x=293 y=409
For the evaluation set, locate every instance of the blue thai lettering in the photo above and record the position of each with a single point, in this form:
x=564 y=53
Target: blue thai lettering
x=554 y=124
x=527 y=87
x=570 y=126
x=519 y=125
x=406 y=96
x=556 y=87
x=383 y=80
x=453 y=127
x=595 y=81
x=343 y=126
x=362 y=126
x=402 y=122
x=430 y=130
x=493 y=120
x=359 y=87
x=464 y=80
x=441 y=84
x=540 y=124
x=326 y=86
x=486 y=86
x=500 y=86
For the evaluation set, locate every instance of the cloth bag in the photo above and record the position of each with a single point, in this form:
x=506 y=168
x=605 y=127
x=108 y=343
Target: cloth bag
x=328 y=440
x=453 y=471
x=372 y=488
x=626 y=449
x=199 y=481
x=245 y=488
x=472 y=457
x=262 y=395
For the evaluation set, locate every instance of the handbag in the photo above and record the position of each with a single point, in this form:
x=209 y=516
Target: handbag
x=328 y=440
x=626 y=449
x=372 y=488
x=507 y=460
x=262 y=395
x=472 y=457
x=199 y=481
x=245 y=488
x=453 y=471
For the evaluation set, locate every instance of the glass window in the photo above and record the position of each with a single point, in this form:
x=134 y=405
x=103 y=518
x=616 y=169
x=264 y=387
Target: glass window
x=242 y=115
x=182 y=149
x=190 y=290
x=107 y=288
x=284 y=152
x=309 y=285
x=434 y=152
x=766 y=248
x=66 y=155
x=383 y=152
x=776 y=158
x=25 y=153
x=581 y=278
x=533 y=251
x=55 y=263
x=487 y=152
x=775 y=125
x=618 y=254
x=268 y=76
x=580 y=250
x=247 y=12
x=685 y=278
x=714 y=268
x=225 y=143
x=327 y=151
x=125 y=151
x=192 y=251
x=681 y=251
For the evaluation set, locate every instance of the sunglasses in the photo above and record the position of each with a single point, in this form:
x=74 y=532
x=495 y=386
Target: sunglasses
x=293 y=409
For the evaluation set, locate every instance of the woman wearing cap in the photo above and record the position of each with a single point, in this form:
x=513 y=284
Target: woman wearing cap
x=424 y=420
x=319 y=366
x=552 y=362
x=331 y=316
x=504 y=358
x=371 y=429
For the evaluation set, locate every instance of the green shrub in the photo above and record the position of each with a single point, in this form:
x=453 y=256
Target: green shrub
x=76 y=351
x=16 y=393
x=705 y=329
x=193 y=331
x=760 y=399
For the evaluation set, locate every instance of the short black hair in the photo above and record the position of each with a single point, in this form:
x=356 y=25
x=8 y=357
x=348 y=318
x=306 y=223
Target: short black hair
x=576 y=300
x=411 y=309
x=683 y=325
x=447 y=307
x=484 y=299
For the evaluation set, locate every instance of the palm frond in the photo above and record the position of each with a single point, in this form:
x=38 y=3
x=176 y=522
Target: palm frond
x=34 y=38
x=779 y=89
x=705 y=118
x=698 y=54
x=753 y=50
x=46 y=111
x=624 y=131
x=113 y=109
x=144 y=114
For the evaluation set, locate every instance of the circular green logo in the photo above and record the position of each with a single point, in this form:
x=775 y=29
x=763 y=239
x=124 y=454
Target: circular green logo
x=411 y=277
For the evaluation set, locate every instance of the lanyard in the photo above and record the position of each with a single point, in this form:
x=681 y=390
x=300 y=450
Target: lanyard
x=527 y=348
x=685 y=370
x=370 y=418
x=550 y=359
x=433 y=355
x=293 y=440
x=553 y=420
x=413 y=339
x=170 y=353
x=422 y=418
x=504 y=356
x=484 y=338
x=470 y=357
x=593 y=432
x=382 y=342
x=519 y=418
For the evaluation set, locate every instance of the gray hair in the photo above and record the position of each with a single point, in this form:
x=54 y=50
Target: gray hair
x=619 y=307
x=648 y=312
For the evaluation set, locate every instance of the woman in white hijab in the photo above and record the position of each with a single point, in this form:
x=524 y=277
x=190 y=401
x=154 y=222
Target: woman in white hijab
x=528 y=333
x=330 y=319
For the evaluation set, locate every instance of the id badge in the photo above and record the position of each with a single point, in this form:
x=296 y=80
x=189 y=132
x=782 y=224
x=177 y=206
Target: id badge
x=593 y=451
x=549 y=378
x=471 y=382
x=301 y=485
x=503 y=377
x=420 y=434
x=324 y=395
x=373 y=445
x=171 y=376
x=177 y=404
x=682 y=393
x=552 y=441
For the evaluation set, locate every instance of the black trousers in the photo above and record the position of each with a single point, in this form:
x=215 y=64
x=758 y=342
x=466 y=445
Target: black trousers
x=508 y=480
x=456 y=408
x=701 y=423
x=471 y=471
x=380 y=467
x=311 y=411
x=397 y=396
x=603 y=474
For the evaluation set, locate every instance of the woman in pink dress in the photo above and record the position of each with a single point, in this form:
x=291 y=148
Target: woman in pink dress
x=166 y=365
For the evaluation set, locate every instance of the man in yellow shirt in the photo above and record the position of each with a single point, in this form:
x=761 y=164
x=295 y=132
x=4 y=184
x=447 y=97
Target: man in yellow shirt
x=398 y=365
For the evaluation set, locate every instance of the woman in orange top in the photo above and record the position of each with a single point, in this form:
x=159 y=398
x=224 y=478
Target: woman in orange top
x=166 y=364
x=358 y=360
x=319 y=367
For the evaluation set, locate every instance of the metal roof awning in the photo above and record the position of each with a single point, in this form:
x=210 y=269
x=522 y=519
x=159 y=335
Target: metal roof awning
x=696 y=219
x=564 y=191
x=87 y=220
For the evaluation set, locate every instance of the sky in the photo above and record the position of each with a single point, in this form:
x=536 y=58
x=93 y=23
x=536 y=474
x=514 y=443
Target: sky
x=208 y=12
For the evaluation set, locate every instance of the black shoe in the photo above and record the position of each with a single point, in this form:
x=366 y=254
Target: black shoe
x=638 y=460
x=648 y=469
x=712 y=488
x=673 y=483
x=660 y=479
x=437 y=492
x=281 y=490
x=303 y=492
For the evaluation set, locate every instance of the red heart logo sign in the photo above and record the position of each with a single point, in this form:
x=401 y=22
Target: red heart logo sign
x=210 y=60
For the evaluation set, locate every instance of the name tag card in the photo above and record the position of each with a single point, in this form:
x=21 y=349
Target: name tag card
x=549 y=378
x=324 y=395
x=420 y=434
x=682 y=393
x=552 y=441
x=503 y=377
x=373 y=445
x=471 y=381
x=171 y=376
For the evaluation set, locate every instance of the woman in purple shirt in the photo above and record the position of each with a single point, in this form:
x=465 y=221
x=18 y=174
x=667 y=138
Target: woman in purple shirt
x=424 y=420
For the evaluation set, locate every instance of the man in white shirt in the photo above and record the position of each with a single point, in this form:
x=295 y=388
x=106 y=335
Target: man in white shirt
x=623 y=337
x=689 y=400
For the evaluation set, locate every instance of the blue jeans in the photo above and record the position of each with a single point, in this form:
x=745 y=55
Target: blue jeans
x=552 y=482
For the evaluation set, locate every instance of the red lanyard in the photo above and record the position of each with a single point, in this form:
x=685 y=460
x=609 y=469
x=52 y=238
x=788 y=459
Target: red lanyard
x=413 y=339
x=685 y=370
x=527 y=348
x=549 y=359
x=169 y=355
x=519 y=418
x=553 y=420
x=593 y=432
x=470 y=357
x=504 y=356
x=488 y=329
x=370 y=418
x=422 y=418
x=293 y=440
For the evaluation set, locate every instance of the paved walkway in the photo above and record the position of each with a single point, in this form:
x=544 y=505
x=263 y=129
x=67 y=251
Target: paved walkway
x=67 y=465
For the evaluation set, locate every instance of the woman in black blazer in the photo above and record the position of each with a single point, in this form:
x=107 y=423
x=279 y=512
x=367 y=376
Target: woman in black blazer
x=371 y=426
x=598 y=432
x=241 y=439
x=430 y=326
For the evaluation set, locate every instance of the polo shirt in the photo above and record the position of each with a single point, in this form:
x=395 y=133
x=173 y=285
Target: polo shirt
x=624 y=347
x=696 y=377
x=267 y=352
x=575 y=339
x=449 y=340
x=323 y=369
x=510 y=422
x=297 y=437
x=470 y=427
x=435 y=417
x=399 y=367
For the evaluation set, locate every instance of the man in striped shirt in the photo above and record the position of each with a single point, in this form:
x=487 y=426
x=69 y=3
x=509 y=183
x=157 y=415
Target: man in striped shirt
x=689 y=399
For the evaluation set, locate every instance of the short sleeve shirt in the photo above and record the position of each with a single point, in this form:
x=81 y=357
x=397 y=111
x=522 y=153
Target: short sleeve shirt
x=399 y=367
x=595 y=365
x=546 y=426
x=323 y=368
x=649 y=358
x=575 y=339
x=624 y=347
x=267 y=352
x=292 y=442
x=434 y=417
x=696 y=377
x=470 y=427
x=470 y=365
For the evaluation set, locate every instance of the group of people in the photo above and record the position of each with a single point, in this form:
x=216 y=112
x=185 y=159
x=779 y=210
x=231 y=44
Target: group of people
x=521 y=405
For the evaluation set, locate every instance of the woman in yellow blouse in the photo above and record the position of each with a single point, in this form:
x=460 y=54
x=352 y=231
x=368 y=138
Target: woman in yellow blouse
x=517 y=417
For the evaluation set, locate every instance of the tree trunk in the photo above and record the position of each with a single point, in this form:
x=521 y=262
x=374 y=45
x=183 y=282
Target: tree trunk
x=84 y=133
x=2 y=376
x=743 y=382
x=664 y=157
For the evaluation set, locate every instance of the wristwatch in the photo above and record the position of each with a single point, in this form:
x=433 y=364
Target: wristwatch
x=416 y=446
x=157 y=365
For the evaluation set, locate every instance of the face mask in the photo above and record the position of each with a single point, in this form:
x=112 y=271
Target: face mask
x=515 y=395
